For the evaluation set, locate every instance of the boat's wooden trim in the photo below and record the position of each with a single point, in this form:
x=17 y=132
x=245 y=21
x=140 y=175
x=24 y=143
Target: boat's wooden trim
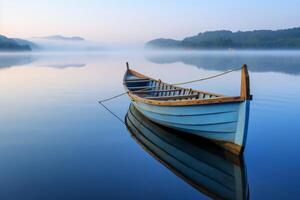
x=245 y=83
x=245 y=93
x=137 y=74
x=186 y=102
x=231 y=147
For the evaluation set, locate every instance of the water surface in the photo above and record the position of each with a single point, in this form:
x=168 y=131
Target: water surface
x=57 y=142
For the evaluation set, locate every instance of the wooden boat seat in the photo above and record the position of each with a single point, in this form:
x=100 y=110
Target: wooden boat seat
x=149 y=91
x=140 y=87
x=173 y=97
x=137 y=78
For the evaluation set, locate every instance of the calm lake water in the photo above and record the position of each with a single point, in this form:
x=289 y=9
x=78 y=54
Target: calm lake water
x=57 y=142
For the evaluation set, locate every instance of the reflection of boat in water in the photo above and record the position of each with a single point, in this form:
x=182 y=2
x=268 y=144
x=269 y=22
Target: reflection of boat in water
x=221 y=118
x=208 y=168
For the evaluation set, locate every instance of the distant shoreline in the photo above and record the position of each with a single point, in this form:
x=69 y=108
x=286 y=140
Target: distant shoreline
x=227 y=40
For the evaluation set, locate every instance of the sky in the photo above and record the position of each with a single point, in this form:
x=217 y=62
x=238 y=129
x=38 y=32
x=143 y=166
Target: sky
x=137 y=21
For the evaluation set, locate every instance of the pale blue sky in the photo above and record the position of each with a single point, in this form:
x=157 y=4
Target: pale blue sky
x=142 y=20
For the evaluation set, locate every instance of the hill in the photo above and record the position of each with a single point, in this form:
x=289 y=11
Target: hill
x=8 y=44
x=23 y=42
x=258 y=39
x=60 y=37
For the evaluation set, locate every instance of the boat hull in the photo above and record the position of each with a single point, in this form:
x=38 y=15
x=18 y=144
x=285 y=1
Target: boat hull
x=225 y=123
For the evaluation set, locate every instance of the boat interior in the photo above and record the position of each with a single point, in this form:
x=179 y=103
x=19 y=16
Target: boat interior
x=152 y=89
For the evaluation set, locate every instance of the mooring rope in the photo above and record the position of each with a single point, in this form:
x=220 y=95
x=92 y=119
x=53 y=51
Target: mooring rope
x=113 y=97
x=182 y=83
x=111 y=112
x=119 y=95
x=210 y=77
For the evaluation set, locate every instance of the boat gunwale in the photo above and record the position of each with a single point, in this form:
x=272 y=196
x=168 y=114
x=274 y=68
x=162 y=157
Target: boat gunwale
x=188 y=102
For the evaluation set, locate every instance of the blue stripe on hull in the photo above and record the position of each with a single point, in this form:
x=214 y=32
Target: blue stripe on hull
x=229 y=127
x=204 y=119
x=225 y=122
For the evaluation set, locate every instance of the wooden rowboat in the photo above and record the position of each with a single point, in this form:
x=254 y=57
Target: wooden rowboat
x=212 y=171
x=223 y=119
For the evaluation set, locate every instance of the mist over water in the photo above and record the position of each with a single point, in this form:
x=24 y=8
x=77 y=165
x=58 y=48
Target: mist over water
x=284 y=61
x=54 y=45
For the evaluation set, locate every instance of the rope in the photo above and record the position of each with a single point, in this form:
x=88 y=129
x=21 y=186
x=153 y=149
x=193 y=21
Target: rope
x=210 y=77
x=116 y=96
x=112 y=112
x=112 y=97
